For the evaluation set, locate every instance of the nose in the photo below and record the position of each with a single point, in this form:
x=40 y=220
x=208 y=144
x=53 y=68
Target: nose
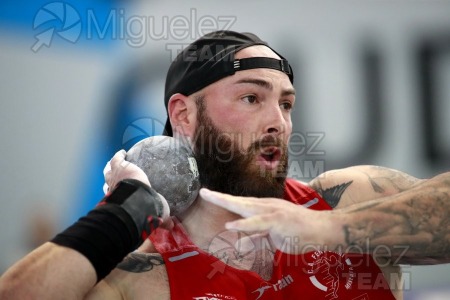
x=275 y=122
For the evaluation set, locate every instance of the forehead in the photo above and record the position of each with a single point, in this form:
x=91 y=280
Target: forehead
x=256 y=51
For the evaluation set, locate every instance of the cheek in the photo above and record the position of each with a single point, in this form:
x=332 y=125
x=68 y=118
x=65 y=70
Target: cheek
x=231 y=121
x=289 y=126
x=239 y=128
x=288 y=130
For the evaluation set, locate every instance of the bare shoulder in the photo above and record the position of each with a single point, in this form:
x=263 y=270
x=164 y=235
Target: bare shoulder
x=344 y=187
x=139 y=276
x=139 y=262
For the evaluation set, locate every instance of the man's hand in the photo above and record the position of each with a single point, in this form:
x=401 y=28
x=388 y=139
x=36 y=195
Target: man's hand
x=292 y=228
x=118 y=169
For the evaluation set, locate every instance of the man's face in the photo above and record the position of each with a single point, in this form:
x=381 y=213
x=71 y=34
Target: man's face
x=225 y=167
x=243 y=127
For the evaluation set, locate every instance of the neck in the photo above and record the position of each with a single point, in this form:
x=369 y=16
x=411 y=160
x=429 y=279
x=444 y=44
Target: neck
x=204 y=220
x=205 y=225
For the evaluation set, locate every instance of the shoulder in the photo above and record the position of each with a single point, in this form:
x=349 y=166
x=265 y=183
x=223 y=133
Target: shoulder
x=300 y=193
x=357 y=184
x=139 y=276
x=139 y=262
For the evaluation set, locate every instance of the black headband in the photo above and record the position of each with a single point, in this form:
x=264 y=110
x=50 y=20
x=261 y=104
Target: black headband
x=263 y=62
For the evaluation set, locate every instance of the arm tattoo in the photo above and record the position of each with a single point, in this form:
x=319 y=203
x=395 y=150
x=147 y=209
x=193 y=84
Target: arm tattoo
x=375 y=186
x=416 y=220
x=140 y=262
x=333 y=194
x=384 y=179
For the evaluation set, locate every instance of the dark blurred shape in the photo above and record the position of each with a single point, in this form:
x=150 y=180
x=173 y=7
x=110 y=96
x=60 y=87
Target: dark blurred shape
x=429 y=52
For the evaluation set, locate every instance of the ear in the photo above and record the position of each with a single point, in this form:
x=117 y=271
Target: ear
x=183 y=114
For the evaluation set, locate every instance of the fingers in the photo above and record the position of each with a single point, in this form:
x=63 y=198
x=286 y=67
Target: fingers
x=108 y=181
x=118 y=159
x=256 y=223
x=166 y=208
x=105 y=188
x=260 y=214
x=107 y=168
x=244 y=206
x=118 y=169
x=167 y=223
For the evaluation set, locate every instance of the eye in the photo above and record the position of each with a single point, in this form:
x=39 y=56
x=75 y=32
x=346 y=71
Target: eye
x=286 y=106
x=249 y=99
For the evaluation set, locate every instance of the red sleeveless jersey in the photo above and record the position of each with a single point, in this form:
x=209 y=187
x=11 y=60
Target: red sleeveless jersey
x=196 y=274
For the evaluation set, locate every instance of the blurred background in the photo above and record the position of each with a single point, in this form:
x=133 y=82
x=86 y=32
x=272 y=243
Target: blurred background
x=80 y=80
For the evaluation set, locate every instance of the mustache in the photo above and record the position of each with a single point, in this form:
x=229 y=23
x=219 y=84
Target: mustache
x=266 y=141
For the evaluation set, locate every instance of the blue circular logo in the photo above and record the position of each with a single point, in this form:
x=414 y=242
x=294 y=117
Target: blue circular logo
x=140 y=129
x=56 y=18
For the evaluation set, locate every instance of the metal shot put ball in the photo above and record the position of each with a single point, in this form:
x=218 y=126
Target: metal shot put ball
x=171 y=169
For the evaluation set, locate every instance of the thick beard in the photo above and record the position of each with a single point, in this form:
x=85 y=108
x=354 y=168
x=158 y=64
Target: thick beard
x=223 y=167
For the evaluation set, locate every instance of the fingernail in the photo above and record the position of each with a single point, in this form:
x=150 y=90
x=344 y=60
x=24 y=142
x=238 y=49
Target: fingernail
x=205 y=191
x=229 y=225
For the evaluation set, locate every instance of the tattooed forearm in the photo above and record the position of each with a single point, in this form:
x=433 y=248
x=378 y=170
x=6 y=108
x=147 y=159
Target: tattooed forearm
x=417 y=220
x=140 y=262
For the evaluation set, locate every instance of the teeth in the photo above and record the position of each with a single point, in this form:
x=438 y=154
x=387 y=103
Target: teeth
x=269 y=151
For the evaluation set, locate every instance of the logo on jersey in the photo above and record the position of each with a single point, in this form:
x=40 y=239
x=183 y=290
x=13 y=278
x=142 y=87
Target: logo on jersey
x=212 y=296
x=328 y=271
x=281 y=284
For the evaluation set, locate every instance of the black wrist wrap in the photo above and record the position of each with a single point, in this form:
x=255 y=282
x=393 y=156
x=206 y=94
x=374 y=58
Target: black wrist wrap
x=117 y=226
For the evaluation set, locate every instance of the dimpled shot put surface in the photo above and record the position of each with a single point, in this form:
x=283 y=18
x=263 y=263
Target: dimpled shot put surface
x=170 y=168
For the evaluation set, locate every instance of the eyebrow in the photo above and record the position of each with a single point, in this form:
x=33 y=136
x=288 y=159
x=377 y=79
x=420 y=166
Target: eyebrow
x=265 y=84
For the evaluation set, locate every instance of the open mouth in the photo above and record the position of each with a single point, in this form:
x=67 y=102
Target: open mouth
x=269 y=157
x=271 y=153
